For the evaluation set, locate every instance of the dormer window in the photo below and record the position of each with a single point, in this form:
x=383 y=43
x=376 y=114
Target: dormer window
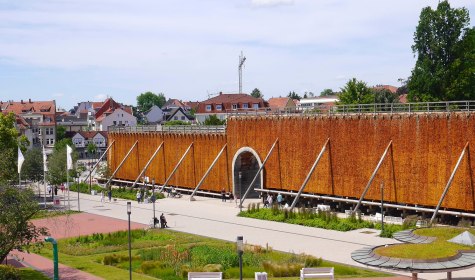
x=235 y=106
x=208 y=107
x=219 y=107
x=255 y=105
x=245 y=106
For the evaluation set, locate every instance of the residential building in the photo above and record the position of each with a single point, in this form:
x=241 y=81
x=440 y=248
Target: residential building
x=319 y=103
x=82 y=139
x=111 y=113
x=178 y=114
x=172 y=104
x=40 y=117
x=223 y=104
x=392 y=89
x=155 y=115
x=282 y=104
x=73 y=122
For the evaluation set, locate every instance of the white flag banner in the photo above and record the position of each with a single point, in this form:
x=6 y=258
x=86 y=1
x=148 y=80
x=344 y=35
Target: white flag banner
x=21 y=159
x=69 y=159
x=45 y=166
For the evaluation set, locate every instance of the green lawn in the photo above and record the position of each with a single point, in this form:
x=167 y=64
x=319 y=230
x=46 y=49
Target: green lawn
x=440 y=248
x=30 y=274
x=169 y=255
x=52 y=213
x=326 y=220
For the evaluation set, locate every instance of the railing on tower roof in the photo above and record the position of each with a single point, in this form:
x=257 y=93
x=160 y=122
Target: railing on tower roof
x=170 y=128
x=385 y=108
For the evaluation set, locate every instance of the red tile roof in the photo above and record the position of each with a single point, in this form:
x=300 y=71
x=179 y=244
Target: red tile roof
x=227 y=101
x=403 y=98
x=280 y=102
x=45 y=108
x=392 y=89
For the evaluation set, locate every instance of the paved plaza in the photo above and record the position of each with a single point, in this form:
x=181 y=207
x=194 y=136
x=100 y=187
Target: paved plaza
x=213 y=218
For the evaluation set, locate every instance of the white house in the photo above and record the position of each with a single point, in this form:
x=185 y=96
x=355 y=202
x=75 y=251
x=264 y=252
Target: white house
x=154 y=115
x=118 y=117
x=178 y=114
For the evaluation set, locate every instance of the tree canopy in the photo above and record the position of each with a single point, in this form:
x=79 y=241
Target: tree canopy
x=32 y=168
x=146 y=100
x=214 y=120
x=294 y=95
x=257 y=93
x=445 y=49
x=9 y=143
x=16 y=231
x=327 y=92
x=356 y=92
x=57 y=162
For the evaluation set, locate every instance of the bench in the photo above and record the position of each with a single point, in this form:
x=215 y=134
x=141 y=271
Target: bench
x=205 y=275
x=317 y=272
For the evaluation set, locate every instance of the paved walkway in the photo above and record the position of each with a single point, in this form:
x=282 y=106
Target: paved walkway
x=213 y=218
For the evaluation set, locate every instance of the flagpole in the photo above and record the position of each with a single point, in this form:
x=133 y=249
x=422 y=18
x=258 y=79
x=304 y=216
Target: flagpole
x=67 y=184
x=44 y=174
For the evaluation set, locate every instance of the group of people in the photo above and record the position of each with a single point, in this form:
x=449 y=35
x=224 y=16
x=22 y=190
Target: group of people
x=162 y=221
x=109 y=195
x=143 y=197
x=269 y=200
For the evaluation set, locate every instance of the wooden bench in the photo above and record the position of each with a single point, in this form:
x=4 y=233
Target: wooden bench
x=205 y=275
x=317 y=272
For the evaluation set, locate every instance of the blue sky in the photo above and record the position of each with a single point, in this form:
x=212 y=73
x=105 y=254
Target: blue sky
x=78 y=50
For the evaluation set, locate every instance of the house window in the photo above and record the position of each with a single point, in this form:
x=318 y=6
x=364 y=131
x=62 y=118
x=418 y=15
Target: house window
x=208 y=107
x=255 y=105
x=219 y=107
x=114 y=123
x=245 y=106
x=234 y=106
x=39 y=131
x=49 y=141
x=49 y=131
x=182 y=118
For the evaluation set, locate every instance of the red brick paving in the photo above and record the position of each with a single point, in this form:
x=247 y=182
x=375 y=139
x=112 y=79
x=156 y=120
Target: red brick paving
x=83 y=224
x=70 y=226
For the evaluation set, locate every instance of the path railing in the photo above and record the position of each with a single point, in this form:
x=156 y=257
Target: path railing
x=171 y=128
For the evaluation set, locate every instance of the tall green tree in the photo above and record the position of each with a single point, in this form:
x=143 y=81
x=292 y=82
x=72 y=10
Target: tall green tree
x=442 y=42
x=385 y=96
x=16 y=231
x=9 y=143
x=91 y=149
x=60 y=132
x=214 y=120
x=294 y=95
x=146 y=100
x=327 y=92
x=57 y=162
x=356 y=92
x=33 y=165
x=257 y=93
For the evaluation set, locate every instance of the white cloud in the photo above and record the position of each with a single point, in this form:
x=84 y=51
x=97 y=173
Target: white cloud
x=100 y=97
x=271 y=3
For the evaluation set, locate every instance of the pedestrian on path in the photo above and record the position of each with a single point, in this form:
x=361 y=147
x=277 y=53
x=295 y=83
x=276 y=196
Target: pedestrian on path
x=138 y=196
x=62 y=188
x=102 y=197
x=55 y=190
x=223 y=195
x=109 y=194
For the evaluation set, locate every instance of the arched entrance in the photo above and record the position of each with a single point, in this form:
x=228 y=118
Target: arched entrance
x=246 y=163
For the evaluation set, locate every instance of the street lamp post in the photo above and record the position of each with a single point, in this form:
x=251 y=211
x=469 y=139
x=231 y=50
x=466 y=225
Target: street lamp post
x=153 y=200
x=240 y=251
x=79 y=205
x=55 y=256
x=382 y=209
x=240 y=189
x=129 y=211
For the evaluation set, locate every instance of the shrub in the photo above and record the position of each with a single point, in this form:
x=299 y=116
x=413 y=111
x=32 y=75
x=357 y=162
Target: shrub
x=147 y=266
x=282 y=270
x=213 y=268
x=114 y=259
x=311 y=261
x=8 y=272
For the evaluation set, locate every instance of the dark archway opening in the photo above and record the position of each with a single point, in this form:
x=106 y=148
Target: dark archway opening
x=245 y=168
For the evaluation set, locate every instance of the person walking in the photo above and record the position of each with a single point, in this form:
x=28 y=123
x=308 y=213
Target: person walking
x=109 y=195
x=62 y=188
x=102 y=197
x=223 y=195
x=163 y=221
x=138 y=196
x=279 y=199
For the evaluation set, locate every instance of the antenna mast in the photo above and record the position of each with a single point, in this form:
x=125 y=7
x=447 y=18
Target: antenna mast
x=242 y=58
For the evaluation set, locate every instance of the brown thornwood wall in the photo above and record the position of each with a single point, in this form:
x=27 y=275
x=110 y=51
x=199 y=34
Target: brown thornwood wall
x=424 y=152
x=203 y=152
